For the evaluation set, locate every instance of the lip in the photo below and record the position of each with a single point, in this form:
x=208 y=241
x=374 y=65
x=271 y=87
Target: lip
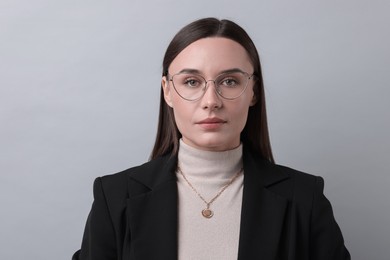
x=212 y=123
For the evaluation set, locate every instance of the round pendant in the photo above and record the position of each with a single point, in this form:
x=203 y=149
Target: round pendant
x=207 y=213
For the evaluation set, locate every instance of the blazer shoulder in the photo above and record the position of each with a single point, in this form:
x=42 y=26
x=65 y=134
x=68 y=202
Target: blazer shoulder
x=274 y=175
x=299 y=186
x=116 y=185
x=299 y=177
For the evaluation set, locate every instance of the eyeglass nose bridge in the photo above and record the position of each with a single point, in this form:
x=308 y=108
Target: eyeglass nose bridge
x=206 y=85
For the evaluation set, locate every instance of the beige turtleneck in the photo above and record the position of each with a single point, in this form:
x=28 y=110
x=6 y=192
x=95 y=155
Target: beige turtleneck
x=215 y=238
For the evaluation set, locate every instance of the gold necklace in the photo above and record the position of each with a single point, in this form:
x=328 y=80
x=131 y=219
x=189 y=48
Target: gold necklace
x=207 y=212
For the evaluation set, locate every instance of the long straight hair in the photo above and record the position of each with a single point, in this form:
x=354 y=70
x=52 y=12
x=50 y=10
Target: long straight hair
x=255 y=133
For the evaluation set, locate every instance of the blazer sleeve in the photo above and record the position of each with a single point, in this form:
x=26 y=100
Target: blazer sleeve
x=99 y=241
x=326 y=240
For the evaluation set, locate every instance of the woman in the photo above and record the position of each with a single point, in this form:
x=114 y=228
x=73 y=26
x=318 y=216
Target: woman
x=211 y=189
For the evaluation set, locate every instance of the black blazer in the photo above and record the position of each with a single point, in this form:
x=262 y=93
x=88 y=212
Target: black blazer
x=284 y=215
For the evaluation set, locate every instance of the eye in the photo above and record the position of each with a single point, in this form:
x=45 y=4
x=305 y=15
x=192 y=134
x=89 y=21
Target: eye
x=229 y=82
x=192 y=82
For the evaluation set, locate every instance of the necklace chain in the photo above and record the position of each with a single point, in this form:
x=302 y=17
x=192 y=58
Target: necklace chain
x=208 y=213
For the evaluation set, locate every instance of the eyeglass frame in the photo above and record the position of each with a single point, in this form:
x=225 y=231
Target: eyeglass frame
x=205 y=87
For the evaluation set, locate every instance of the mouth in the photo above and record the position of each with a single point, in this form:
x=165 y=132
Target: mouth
x=211 y=123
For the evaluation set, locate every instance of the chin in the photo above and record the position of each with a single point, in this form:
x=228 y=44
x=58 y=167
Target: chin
x=216 y=144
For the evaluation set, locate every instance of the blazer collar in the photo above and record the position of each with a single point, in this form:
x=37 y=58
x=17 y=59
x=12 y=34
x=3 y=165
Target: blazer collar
x=156 y=172
x=163 y=169
x=260 y=170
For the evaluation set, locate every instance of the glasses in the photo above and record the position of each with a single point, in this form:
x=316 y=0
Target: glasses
x=192 y=86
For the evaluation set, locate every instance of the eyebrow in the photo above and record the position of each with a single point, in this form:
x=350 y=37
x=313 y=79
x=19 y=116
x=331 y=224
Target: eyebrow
x=195 y=71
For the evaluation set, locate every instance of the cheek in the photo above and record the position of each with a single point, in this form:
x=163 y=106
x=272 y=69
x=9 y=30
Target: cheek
x=241 y=117
x=182 y=113
x=239 y=111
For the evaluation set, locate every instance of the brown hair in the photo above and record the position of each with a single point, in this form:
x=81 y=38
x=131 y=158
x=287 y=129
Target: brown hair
x=255 y=133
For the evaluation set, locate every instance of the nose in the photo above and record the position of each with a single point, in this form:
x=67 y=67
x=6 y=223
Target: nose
x=211 y=100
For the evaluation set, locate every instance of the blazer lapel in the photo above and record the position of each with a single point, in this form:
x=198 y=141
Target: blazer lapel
x=263 y=212
x=152 y=211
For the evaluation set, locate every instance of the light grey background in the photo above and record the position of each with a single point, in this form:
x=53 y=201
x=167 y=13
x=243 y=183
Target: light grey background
x=79 y=85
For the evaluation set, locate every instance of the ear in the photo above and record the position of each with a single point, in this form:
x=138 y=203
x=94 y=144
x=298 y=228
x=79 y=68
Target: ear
x=254 y=100
x=167 y=90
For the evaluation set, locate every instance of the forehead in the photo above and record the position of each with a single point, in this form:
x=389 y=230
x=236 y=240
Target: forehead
x=212 y=55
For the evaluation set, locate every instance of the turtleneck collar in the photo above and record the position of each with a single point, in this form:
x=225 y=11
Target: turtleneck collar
x=209 y=164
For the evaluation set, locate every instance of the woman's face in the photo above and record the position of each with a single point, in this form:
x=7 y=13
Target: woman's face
x=212 y=122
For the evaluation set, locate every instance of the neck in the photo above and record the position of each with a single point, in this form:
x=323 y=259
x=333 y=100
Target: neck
x=210 y=164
